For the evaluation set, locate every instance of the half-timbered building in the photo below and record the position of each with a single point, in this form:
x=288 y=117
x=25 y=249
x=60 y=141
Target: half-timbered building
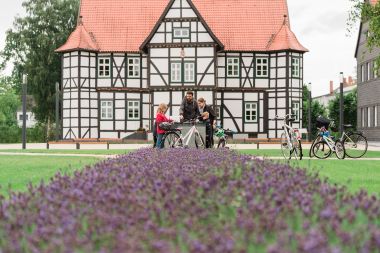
x=125 y=57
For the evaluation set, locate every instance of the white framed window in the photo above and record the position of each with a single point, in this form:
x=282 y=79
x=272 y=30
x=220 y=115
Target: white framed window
x=368 y=71
x=375 y=70
x=134 y=67
x=181 y=33
x=104 y=67
x=106 y=109
x=133 y=110
x=176 y=72
x=295 y=67
x=369 y=117
x=362 y=117
x=375 y=116
x=251 y=112
x=262 y=67
x=189 y=69
x=233 y=67
x=362 y=70
x=296 y=110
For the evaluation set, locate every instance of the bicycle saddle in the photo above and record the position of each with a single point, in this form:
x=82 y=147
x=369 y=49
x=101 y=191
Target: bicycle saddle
x=348 y=126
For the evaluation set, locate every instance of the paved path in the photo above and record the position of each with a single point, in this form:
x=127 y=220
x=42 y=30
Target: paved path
x=372 y=146
x=114 y=156
x=57 y=154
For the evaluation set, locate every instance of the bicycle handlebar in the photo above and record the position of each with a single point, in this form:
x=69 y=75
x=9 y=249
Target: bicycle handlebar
x=287 y=116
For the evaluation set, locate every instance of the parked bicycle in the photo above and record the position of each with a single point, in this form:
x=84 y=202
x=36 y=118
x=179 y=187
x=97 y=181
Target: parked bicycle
x=355 y=143
x=174 y=138
x=327 y=145
x=290 y=138
x=222 y=135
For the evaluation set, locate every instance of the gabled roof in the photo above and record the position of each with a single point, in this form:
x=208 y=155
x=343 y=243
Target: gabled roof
x=239 y=25
x=285 y=39
x=80 y=39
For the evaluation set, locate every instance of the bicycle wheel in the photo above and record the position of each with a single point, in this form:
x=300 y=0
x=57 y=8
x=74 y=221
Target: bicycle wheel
x=199 y=141
x=298 y=149
x=339 y=150
x=355 y=145
x=318 y=139
x=321 y=150
x=285 y=149
x=172 y=140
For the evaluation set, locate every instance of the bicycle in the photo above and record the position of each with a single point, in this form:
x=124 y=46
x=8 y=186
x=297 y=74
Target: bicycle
x=323 y=149
x=173 y=137
x=222 y=135
x=355 y=143
x=290 y=138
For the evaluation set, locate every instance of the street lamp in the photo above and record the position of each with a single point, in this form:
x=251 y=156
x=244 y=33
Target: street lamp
x=57 y=100
x=24 y=92
x=309 y=112
x=341 y=109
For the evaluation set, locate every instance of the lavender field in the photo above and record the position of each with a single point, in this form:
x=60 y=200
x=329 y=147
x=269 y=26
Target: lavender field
x=189 y=201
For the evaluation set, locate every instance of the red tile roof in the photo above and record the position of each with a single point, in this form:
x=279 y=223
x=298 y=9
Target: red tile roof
x=240 y=25
x=285 y=39
x=79 y=39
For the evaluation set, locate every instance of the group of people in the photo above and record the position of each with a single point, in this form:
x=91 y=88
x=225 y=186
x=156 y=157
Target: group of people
x=190 y=109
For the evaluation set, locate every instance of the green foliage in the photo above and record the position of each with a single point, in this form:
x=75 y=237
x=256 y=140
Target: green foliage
x=30 y=45
x=362 y=11
x=13 y=134
x=350 y=109
x=9 y=103
x=317 y=109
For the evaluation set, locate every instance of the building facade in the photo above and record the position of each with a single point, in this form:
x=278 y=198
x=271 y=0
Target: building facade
x=126 y=57
x=368 y=85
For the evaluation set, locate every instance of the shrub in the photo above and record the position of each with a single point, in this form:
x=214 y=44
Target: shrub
x=185 y=200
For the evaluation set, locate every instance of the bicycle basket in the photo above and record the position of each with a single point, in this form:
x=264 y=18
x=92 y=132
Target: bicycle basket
x=323 y=122
x=167 y=126
x=219 y=133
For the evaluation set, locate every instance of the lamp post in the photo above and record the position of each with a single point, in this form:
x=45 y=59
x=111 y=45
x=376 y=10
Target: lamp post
x=57 y=125
x=309 y=112
x=24 y=92
x=341 y=109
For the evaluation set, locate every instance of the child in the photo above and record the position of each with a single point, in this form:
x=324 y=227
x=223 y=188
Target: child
x=160 y=117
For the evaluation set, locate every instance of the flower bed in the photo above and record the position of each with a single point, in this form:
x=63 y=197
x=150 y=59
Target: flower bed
x=189 y=201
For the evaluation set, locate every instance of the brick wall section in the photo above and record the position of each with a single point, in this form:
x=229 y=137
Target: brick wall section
x=369 y=90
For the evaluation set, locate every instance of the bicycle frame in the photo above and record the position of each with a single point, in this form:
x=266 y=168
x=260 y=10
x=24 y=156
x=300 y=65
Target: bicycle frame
x=330 y=142
x=186 y=139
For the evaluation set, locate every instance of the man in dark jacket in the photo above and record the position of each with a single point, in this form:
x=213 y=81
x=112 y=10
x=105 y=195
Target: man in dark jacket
x=209 y=117
x=189 y=108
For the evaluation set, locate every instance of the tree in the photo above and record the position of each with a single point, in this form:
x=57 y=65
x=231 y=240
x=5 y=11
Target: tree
x=9 y=103
x=350 y=109
x=30 y=45
x=317 y=109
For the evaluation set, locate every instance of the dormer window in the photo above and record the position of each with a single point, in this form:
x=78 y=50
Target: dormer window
x=181 y=33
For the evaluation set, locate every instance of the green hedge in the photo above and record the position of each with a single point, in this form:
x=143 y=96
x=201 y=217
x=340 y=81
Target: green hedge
x=13 y=134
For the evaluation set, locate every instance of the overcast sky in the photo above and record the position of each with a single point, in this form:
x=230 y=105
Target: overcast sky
x=319 y=25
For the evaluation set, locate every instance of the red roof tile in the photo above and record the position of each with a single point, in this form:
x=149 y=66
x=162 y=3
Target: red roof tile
x=285 y=39
x=240 y=25
x=79 y=39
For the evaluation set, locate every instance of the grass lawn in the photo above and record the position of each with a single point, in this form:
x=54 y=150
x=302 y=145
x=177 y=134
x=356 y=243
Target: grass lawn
x=277 y=153
x=18 y=171
x=355 y=174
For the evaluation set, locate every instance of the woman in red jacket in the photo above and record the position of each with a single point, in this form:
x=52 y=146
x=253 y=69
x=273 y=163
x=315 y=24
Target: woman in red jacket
x=160 y=117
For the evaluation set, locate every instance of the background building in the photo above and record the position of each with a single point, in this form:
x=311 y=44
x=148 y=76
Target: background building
x=368 y=85
x=349 y=84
